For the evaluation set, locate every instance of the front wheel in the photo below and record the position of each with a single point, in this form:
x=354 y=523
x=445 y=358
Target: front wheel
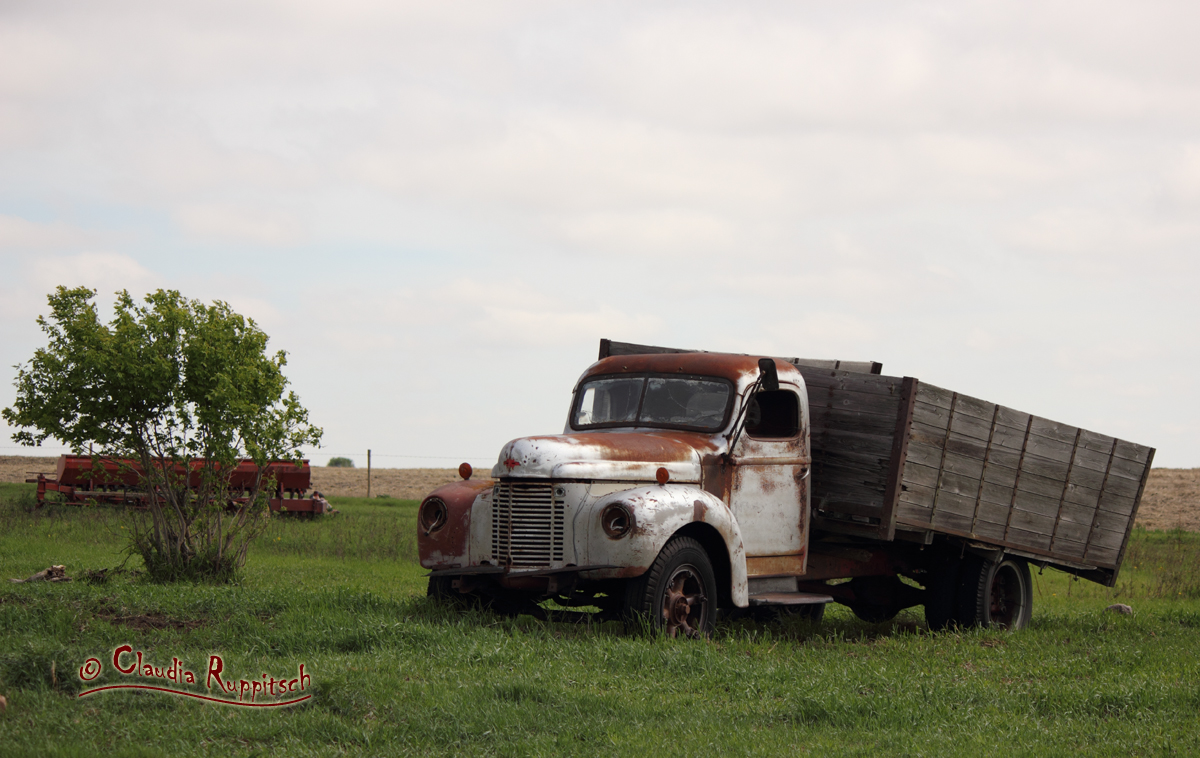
x=678 y=593
x=995 y=594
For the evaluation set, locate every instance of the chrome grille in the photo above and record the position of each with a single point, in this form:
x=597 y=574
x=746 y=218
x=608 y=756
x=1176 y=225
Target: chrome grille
x=527 y=524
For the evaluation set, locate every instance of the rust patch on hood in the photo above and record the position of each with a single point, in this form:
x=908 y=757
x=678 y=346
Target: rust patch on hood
x=632 y=447
x=680 y=452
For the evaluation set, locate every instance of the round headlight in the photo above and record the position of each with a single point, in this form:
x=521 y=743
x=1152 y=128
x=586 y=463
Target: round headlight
x=433 y=515
x=616 y=520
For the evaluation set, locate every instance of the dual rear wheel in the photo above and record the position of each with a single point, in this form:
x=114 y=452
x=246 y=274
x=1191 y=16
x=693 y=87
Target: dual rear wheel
x=974 y=591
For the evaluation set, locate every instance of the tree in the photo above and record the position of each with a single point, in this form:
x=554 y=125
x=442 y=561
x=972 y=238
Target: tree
x=176 y=386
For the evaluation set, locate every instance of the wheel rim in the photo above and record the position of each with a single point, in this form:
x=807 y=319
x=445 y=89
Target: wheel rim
x=1006 y=599
x=684 y=604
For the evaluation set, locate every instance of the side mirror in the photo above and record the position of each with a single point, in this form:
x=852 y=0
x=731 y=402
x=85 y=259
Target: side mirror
x=770 y=376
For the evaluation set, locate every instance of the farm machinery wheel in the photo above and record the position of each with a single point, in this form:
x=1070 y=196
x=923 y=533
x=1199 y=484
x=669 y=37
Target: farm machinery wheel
x=678 y=593
x=995 y=594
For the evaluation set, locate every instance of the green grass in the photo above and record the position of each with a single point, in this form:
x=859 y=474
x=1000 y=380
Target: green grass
x=396 y=674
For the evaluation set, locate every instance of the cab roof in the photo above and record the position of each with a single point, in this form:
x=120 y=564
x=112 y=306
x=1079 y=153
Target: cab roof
x=736 y=368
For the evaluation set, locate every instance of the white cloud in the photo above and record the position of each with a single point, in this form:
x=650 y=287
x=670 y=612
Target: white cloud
x=241 y=224
x=18 y=234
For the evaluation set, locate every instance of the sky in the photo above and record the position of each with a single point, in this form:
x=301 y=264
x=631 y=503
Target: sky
x=439 y=209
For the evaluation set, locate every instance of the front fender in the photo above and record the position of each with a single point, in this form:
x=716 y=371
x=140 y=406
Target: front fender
x=448 y=547
x=659 y=512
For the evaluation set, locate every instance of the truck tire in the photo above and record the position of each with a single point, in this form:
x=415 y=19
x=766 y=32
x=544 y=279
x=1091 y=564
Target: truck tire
x=995 y=594
x=678 y=593
x=941 y=593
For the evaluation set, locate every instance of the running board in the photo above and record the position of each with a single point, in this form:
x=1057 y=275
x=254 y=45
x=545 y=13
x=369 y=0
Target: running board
x=789 y=598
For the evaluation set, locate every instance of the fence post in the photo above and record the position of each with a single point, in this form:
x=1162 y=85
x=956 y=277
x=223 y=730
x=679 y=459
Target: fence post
x=368 y=472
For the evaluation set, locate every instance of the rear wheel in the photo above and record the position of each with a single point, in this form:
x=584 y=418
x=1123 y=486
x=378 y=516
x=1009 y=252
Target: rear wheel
x=995 y=594
x=678 y=593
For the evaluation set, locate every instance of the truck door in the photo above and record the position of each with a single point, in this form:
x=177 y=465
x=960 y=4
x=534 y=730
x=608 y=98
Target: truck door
x=769 y=493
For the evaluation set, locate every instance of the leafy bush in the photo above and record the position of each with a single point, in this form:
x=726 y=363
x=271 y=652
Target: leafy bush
x=178 y=393
x=340 y=463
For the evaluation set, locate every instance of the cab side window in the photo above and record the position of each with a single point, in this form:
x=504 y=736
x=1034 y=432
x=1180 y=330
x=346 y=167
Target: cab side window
x=773 y=415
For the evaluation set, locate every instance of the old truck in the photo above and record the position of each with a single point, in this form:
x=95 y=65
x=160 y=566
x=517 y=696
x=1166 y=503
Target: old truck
x=688 y=481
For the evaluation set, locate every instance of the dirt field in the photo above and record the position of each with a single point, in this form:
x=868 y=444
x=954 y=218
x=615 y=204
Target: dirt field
x=1171 y=500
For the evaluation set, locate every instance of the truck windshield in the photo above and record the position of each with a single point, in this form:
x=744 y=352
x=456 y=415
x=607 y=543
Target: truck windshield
x=670 y=401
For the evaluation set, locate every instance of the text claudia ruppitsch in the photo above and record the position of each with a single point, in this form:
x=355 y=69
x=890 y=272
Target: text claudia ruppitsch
x=266 y=690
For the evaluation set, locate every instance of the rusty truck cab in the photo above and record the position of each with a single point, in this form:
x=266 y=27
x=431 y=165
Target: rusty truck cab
x=683 y=458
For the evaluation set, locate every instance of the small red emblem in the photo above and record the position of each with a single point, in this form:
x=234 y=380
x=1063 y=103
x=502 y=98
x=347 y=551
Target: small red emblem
x=511 y=463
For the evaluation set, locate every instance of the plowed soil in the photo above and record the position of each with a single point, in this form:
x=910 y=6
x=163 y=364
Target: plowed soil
x=1171 y=500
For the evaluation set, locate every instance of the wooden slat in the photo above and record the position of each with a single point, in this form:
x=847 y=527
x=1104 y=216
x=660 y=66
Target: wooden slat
x=1121 y=487
x=973 y=407
x=986 y=530
x=1027 y=539
x=911 y=514
x=1086 y=478
x=971 y=467
x=1013 y=419
x=922 y=453
x=927 y=435
x=928 y=393
x=1117 y=504
x=968 y=447
x=931 y=415
x=870 y=423
x=949 y=520
x=853 y=442
x=997 y=494
x=918 y=474
x=918 y=496
x=956 y=503
x=858 y=402
x=1044 y=506
x=1004 y=462
x=992 y=513
x=1134 y=452
x=821 y=381
x=1041 y=485
x=968 y=426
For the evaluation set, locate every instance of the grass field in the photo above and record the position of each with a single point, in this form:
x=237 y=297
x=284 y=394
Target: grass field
x=393 y=673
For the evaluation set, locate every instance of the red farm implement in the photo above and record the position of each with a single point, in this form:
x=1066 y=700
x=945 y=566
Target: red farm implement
x=110 y=481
